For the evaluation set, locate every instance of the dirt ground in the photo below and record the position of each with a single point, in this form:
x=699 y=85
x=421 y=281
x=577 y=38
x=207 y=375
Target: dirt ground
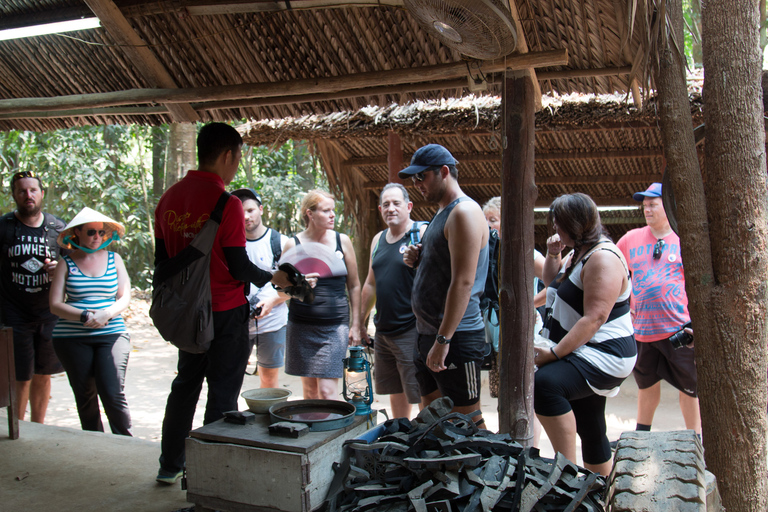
x=152 y=367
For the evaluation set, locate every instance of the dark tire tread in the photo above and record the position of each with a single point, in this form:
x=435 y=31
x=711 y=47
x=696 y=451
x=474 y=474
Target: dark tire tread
x=657 y=472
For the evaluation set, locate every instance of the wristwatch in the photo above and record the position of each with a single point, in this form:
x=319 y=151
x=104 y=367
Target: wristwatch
x=442 y=340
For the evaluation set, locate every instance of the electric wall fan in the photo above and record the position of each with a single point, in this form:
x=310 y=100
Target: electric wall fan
x=481 y=29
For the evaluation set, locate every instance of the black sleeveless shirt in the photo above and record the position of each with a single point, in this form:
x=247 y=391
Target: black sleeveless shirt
x=394 y=282
x=433 y=278
x=330 y=306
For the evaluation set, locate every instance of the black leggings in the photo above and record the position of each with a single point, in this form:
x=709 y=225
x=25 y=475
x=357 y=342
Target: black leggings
x=558 y=389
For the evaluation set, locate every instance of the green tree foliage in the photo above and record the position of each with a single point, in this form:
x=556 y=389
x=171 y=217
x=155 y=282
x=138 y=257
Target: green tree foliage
x=79 y=169
x=113 y=175
x=282 y=176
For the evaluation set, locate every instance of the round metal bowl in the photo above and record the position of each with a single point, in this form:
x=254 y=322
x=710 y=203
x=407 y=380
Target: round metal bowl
x=319 y=415
x=260 y=400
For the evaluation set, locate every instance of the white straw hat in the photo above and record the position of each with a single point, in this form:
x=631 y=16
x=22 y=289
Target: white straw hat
x=85 y=216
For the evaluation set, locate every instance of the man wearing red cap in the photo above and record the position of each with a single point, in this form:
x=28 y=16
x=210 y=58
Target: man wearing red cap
x=659 y=309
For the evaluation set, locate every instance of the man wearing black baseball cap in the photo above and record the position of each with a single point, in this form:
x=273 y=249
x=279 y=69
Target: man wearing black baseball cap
x=451 y=266
x=659 y=309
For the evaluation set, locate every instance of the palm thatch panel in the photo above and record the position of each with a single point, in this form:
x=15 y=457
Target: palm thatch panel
x=200 y=49
x=600 y=146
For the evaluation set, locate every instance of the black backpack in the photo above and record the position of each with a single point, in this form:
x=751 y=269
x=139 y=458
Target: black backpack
x=181 y=290
x=52 y=224
x=490 y=296
x=277 y=248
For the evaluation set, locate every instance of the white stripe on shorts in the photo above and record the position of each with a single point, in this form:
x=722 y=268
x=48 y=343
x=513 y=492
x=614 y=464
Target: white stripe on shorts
x=470 y=370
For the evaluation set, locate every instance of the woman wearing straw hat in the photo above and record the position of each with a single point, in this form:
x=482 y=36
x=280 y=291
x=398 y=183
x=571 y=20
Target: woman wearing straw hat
x=90 y=290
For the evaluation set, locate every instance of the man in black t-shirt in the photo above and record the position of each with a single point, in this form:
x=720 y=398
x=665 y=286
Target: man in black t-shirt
x=28 y=256
x=389 y=286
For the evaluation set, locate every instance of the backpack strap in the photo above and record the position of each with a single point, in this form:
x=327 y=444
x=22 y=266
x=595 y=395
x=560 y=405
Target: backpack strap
x=218 y=211
x=277 y=249
x=378 y=241
x=8 y=229
x=51 y=233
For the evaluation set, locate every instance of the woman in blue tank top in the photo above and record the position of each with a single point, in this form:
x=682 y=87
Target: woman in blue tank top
x=317 y=334
x=90 y=290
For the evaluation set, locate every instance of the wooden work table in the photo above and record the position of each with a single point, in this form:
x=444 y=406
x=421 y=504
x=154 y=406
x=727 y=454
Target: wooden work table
x=244 y=468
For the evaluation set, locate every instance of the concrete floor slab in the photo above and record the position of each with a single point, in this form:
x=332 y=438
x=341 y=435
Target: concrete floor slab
x=61 y=469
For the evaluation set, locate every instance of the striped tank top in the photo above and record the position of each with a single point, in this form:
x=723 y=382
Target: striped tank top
x=85 y=292
x=609 y=357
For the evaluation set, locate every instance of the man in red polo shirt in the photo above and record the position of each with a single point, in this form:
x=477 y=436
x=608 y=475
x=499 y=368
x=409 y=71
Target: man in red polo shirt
x=179 y=216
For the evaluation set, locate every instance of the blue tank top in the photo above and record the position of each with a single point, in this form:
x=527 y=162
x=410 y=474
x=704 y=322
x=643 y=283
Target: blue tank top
x=85 y=292
x=330 y=306
x=433 y=277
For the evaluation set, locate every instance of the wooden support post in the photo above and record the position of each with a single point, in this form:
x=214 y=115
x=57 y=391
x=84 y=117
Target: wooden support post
x=518 y=196
x=8 y=381
x=394 y=157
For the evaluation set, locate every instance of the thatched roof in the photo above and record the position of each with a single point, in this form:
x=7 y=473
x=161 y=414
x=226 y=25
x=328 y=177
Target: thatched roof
x=204 y=48
x=599 y=145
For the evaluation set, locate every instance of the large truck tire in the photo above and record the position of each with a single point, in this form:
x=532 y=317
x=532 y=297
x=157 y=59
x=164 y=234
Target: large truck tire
x=658 y=472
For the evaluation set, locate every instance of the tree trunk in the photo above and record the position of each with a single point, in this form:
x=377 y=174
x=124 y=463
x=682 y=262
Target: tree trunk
x=729 y=303
x=696 y=33
x=159 y=142
x=518 y=196
x=181 y=151
x=111 y=141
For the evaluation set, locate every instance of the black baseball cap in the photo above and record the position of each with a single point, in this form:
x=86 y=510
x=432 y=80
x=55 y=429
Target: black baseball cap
x=428 y=157
x=247 y=193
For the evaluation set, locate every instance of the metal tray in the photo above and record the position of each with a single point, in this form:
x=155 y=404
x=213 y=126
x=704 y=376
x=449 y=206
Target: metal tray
x=319 y=415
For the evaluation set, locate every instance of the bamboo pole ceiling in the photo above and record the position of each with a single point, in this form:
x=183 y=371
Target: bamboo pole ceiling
x=146 y=48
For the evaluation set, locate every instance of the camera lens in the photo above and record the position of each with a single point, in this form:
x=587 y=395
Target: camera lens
x=680 y=339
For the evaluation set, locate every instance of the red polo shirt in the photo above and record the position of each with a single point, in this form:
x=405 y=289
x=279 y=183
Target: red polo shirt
x=181 y=213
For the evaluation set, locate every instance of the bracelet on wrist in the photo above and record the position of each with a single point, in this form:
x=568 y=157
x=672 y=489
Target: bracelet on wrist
x=555 y=255
x=554 y=353
x=84 y=316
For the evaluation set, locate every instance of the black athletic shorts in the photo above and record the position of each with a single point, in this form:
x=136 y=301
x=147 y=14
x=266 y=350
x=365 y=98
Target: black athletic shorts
x=33 y=350
x=461 y=381
x=657 y=360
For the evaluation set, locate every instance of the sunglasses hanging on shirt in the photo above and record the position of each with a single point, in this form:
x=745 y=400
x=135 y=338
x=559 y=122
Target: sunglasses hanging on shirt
x=657 y=249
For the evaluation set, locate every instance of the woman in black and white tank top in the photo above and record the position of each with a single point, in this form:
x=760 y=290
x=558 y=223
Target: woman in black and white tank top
x=318 y=334
x=588 y=322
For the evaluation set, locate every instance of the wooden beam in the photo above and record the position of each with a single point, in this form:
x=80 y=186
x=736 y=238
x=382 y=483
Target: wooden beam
x=273 y=89
x=522 y=47
x=622 y=21
x=394 y=156
x=516 y=416
x=583 y=73
x=133 y=9
x=493 y=157
x=544 y=202
x=594 y=180
x=605 y=179
x=606 y=219
x=459 y=83
x=210 y=8
x=140 y=55
x=599 y=155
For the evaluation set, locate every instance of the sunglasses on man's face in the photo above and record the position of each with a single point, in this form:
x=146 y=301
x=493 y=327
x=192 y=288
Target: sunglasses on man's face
x=657 y=249
x=92 y=232
x=419 y=176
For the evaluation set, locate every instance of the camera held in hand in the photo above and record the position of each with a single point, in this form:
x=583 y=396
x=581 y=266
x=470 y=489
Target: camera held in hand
x=255 y=311
x=681 y=338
